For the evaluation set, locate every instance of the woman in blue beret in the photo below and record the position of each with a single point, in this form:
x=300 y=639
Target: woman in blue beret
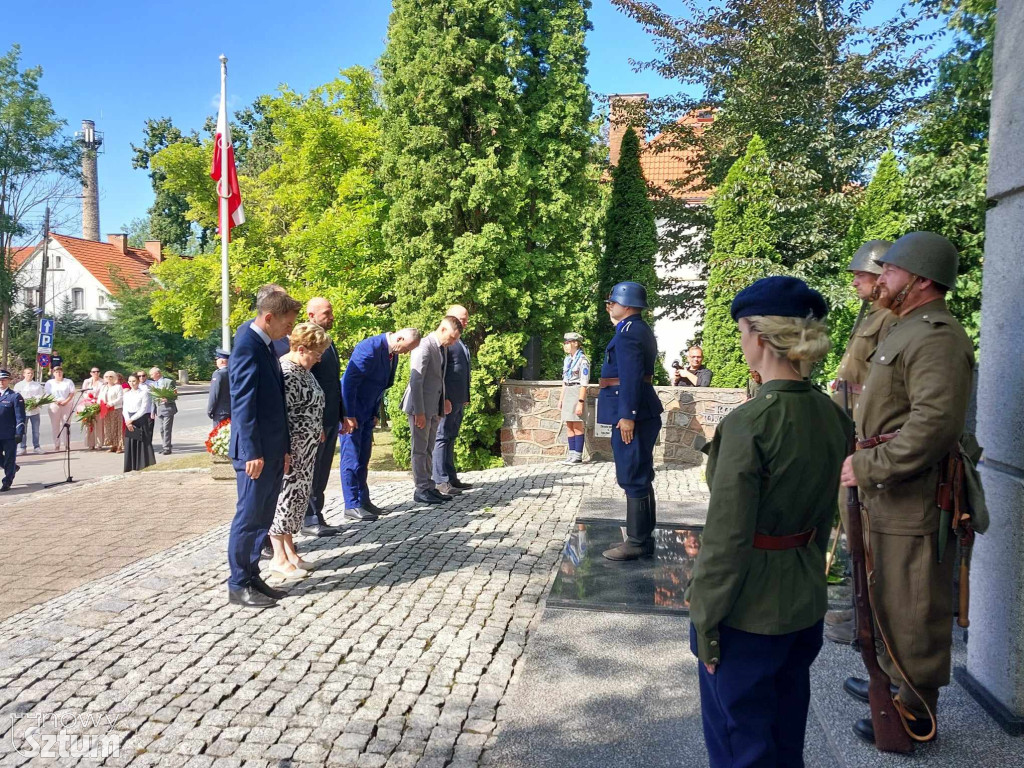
x=758 y=594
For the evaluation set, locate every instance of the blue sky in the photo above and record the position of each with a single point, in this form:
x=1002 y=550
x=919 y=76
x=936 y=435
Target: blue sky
x=119 y=62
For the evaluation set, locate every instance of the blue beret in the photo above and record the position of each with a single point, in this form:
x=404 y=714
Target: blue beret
x=779 y=296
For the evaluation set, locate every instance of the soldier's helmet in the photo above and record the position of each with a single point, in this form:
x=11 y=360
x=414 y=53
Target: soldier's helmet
x=864 y=260
x=629 y=294
x=925 y=254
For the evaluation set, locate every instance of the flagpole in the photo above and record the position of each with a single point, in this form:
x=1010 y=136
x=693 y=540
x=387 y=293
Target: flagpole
x=224 y=192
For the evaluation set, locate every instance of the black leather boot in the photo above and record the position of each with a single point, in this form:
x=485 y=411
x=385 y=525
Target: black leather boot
x=639 y=525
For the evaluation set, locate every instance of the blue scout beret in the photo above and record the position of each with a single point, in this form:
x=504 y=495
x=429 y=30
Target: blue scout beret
x=779 y=296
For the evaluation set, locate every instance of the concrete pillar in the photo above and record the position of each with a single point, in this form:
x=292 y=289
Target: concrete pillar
x=995 y=651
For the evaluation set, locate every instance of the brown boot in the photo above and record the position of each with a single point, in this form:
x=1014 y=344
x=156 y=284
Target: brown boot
x=838 y=617
x=627 y=551
x=841 y=633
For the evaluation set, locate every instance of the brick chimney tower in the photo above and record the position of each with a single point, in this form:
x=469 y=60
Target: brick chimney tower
x=625 y=109
x=90 y=140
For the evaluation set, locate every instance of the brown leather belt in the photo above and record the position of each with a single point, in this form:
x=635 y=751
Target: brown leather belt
x=871 y=442
x=776 y=543
x=850 y=387
x=615 y=381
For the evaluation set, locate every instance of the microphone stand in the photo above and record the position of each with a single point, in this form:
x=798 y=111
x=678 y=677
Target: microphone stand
x=66 y=426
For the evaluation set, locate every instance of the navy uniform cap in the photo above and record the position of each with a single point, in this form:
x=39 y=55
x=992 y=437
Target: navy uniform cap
x=222 y=353
x=4 y=373
x=780 y=297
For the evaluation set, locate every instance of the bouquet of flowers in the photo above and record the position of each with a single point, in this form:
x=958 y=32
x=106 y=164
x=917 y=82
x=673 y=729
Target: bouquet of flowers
x=163 y=394
x=88 y=411
x=31 y=403
x=220 y=439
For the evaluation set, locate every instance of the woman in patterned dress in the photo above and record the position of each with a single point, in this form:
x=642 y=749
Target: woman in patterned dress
x=305 y=404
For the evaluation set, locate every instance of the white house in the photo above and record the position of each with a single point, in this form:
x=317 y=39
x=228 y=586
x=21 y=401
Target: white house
x=85 y=272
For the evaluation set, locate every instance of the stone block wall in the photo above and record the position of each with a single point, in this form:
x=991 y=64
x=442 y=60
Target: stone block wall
x=532 y=431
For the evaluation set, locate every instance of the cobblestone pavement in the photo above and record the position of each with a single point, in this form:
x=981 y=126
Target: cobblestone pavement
x=397 y=651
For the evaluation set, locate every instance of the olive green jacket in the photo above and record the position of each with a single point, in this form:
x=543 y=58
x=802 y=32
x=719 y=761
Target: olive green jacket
x=919 y=383
x=854 y=366
x=773 y=468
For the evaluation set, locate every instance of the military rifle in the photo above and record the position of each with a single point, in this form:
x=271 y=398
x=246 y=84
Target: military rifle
x=890 y=735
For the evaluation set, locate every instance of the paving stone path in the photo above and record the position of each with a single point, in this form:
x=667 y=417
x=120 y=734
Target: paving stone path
x=396 y=652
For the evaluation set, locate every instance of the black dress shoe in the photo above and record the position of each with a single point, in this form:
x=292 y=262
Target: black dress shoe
x=320 y=529
x=261 y=586
x=373 y=509
x=250 y=598
x=857 y=687
x=5 y=488
x=866 y=730
x=358 y=513
x=460 y=485
x=425 y=498
x=438 y=495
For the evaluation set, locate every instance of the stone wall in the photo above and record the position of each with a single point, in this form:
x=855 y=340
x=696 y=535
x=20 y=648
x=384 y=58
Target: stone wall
x=532 y=432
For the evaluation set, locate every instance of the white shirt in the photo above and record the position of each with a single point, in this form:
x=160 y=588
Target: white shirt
x=29 y=389
x=60 y=389
x=111 y=394
x=136 y=403
x=261 y=333
x=89 y=384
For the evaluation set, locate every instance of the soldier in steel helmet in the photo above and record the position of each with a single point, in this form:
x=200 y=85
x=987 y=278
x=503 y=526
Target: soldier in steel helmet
x=853 y=371
x=627 y=401
x=909 y=418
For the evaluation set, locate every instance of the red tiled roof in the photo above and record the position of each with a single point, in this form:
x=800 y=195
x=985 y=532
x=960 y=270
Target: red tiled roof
x=662 y=167
x=105 y=259
x=18 y=255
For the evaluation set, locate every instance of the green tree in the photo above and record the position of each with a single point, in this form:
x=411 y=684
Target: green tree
x=79 y=341
x=168 y=222
x=630 y=236
x=826 y=90
x=36 y=160
x=947 y=167
x=744 y=249
x=486 y=179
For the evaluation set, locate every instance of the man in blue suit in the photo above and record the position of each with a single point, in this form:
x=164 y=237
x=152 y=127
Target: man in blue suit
x=280 y=346
x=260 y=444
x=456 y=389
x=628 y=402
x=327 y=373
x=12 y=427
x=369 y=374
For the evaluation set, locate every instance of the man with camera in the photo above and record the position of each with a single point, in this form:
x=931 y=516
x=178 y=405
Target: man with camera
x=694 y=374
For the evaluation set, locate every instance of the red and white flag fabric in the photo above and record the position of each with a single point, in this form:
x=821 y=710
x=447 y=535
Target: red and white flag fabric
x=236 y=214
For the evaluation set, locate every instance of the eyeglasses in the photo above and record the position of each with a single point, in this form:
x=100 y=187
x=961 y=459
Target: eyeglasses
x=95 y=370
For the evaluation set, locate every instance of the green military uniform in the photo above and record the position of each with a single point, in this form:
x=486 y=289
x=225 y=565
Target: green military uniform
x=919 y=383
x=773 y=469
x=853 y=368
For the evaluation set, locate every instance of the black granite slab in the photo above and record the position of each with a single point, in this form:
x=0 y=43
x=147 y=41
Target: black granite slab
x=657 y=584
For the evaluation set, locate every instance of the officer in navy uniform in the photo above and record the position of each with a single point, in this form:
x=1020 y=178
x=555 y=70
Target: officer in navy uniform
x=12 y=427
x=627 y=401
x=218 y=406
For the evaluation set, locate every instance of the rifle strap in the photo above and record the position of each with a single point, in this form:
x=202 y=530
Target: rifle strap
x=868 y=561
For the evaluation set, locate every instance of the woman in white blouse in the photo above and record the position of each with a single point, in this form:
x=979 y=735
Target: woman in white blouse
x=112 y=395
x=138 y=436
x=63 y=392
x=94 y=436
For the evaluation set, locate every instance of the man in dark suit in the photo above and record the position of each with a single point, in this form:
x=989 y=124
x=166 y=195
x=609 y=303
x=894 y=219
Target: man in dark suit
x=218 y=407
x=280 y=346
x=260 y=445
x=456 y=387
x=425 y=403
x=327 y=372
x=369 y=374
x=12 y=427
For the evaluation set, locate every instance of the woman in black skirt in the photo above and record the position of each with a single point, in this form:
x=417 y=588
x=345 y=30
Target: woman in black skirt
x=138 y=436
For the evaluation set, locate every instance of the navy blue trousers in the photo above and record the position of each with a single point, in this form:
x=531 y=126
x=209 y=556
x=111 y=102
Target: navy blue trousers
x=634 y=463
x=754 y=707
x=355 y=462
x=253 y=515
x=444 y=445
x=321 y=475
x=8 y=457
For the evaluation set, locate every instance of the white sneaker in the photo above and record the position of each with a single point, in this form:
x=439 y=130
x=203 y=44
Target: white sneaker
x=38 y=450
x=570 y=457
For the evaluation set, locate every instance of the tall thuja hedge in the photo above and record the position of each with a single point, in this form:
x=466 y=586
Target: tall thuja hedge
x=881 y=215
x=485 y=203
x=743 y=250
x=630 y=237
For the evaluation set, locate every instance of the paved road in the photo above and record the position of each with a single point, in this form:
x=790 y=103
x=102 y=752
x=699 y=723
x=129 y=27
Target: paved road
x=190 y=430
x=396 y=652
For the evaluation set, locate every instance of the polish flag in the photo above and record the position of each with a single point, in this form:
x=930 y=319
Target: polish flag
x=236 y=214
